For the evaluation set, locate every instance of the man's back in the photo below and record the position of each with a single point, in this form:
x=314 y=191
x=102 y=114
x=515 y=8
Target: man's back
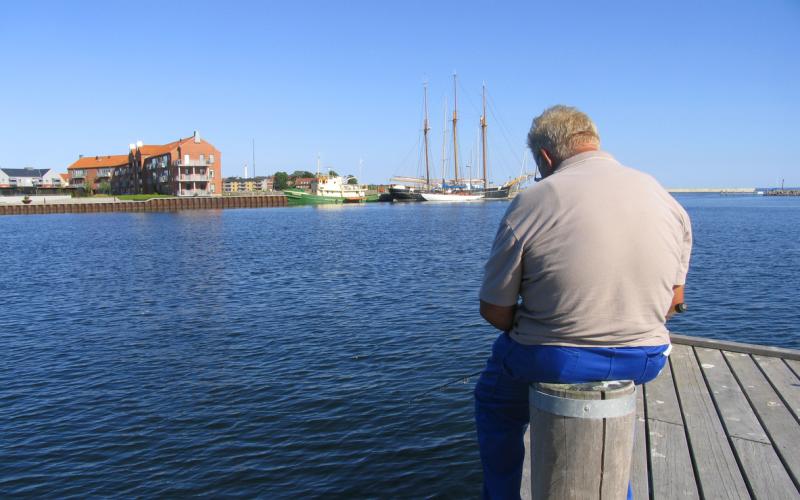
x=602 y=246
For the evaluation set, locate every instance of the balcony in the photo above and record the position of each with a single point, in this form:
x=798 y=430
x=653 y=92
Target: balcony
x=193 y=163
x=192 y=178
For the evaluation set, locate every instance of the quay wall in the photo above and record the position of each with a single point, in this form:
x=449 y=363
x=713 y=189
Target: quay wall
x=151 y=205
x=713 y=190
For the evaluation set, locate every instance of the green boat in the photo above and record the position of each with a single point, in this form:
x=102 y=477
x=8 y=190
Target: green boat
x=326 y=190
x=301 y=197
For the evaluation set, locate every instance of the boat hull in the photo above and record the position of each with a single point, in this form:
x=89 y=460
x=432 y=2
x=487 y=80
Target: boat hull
x=451 y=197
x=405 y=195
x=297 y=197
x=501 y=193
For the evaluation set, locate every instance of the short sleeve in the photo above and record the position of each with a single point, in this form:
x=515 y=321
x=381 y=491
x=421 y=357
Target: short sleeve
x=686 y=249
x=503 y=271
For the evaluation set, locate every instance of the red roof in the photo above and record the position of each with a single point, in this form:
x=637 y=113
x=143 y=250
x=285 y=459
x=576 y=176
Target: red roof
x=100 y=161
x=156 y=149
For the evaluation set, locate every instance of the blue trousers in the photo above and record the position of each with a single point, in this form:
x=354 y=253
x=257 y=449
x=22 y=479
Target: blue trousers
x=501 y=396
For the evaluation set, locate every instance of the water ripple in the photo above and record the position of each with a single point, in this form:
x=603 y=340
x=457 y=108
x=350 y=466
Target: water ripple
x=274 y=352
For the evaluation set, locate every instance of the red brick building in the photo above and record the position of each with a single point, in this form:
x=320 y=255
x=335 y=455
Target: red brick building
x=90 y=171
x=186 y=167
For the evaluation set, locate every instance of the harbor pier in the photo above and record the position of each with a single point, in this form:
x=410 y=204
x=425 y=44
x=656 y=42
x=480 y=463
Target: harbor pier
x=151 y=205
x=720 y=421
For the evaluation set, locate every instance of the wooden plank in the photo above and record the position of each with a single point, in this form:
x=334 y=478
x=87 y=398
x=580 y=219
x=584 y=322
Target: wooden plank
x=662 y=403
x=764 y=472
x=785 y=381
x=794 y=365
x=725 y=345
x=671 y=471
x=670 y=464
x=525 y=486
x=732 y=405
x=717 y=471
x=778 y=421
x=639 y=482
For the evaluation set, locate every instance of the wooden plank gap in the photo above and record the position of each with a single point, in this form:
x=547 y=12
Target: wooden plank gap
x=695 y=469
x=776 y=420
x=723 y=421
x=794 y=366
x=718 y=471
x=779 y=384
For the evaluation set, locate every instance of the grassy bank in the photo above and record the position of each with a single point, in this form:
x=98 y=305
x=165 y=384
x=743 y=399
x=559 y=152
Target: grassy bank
x=141 y=197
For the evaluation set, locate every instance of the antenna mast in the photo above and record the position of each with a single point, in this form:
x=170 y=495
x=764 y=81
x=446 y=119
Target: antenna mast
x=455 y=119
x=254 y=158
x=483 y=140
x=425 y=129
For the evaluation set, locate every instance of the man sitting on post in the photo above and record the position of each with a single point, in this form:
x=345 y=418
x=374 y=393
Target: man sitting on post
x=598 y=254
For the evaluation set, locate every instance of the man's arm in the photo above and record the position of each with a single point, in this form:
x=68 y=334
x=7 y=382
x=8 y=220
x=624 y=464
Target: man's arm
x=500 y=317
x=677 y=298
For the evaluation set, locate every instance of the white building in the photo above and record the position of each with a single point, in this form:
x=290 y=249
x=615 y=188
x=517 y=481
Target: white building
x=29 y=177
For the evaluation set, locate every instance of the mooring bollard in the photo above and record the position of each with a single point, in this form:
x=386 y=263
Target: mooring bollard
x=581 y=439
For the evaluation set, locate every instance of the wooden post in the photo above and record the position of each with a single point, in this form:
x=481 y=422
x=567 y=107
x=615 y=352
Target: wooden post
x=581 y=440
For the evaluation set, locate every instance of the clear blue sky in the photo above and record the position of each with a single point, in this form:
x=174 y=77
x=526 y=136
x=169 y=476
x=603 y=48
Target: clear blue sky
x=695 y=93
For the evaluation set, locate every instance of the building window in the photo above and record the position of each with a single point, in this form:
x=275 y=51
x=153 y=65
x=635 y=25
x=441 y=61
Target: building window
x=202 y=158
x=212 y=188
x=211 y=158
x=186 y=159
x=211 y=172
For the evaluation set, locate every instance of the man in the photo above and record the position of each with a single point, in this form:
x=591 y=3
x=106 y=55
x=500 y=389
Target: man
x=598 y=254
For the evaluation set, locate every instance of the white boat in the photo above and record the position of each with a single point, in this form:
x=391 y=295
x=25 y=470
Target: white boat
x=452 y=197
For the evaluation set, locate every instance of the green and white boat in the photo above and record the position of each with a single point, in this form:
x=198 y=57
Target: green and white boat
x=326 y=190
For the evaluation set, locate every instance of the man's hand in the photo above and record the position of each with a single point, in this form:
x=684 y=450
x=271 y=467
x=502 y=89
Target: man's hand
x=677 y=298
x=500 y=317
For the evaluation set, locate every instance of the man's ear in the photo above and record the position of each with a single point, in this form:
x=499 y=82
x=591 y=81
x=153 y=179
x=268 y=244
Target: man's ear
x=547 y=159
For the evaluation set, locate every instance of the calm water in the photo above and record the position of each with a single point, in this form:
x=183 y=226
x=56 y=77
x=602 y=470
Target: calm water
x=274 y=352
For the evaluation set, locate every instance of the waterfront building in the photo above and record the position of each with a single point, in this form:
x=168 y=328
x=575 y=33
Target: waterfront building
x=302 y=182
x=186 y=167
x=29 y=177
x=242 y=185
x=64 y=179
x=91 y=171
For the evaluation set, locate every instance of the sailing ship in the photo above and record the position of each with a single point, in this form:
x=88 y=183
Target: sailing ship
x=458 y=190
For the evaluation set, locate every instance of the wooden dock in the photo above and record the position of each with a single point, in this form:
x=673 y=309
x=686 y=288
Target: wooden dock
x=721 y=421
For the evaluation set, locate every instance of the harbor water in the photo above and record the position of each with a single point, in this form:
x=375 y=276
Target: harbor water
x=280 y=352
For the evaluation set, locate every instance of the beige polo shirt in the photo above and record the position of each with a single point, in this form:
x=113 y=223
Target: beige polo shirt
x=593 y=251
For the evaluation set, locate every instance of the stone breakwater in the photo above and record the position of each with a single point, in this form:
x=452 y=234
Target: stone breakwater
x=151 y=205
x=783 y=192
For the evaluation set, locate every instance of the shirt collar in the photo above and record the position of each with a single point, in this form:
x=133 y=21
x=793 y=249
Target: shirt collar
x=583 y=157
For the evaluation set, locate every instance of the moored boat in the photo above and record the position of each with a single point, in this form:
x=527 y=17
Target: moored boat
x=400 y=192
x=452 y=197
x=326 y=190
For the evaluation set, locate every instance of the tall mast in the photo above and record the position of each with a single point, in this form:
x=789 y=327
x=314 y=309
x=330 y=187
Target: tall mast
x=254 y=157
x=317 y=164
x=455 y=119
x=444 y=146
x=425 y=129
x=483 y=139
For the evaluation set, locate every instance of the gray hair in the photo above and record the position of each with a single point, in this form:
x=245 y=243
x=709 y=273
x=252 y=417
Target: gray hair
x=562 y=131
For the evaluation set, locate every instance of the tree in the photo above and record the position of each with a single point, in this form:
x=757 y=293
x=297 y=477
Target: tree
x=332 y=173
x=301 y=173
x=352 y=180
x=104 y=187
x=280 y=181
